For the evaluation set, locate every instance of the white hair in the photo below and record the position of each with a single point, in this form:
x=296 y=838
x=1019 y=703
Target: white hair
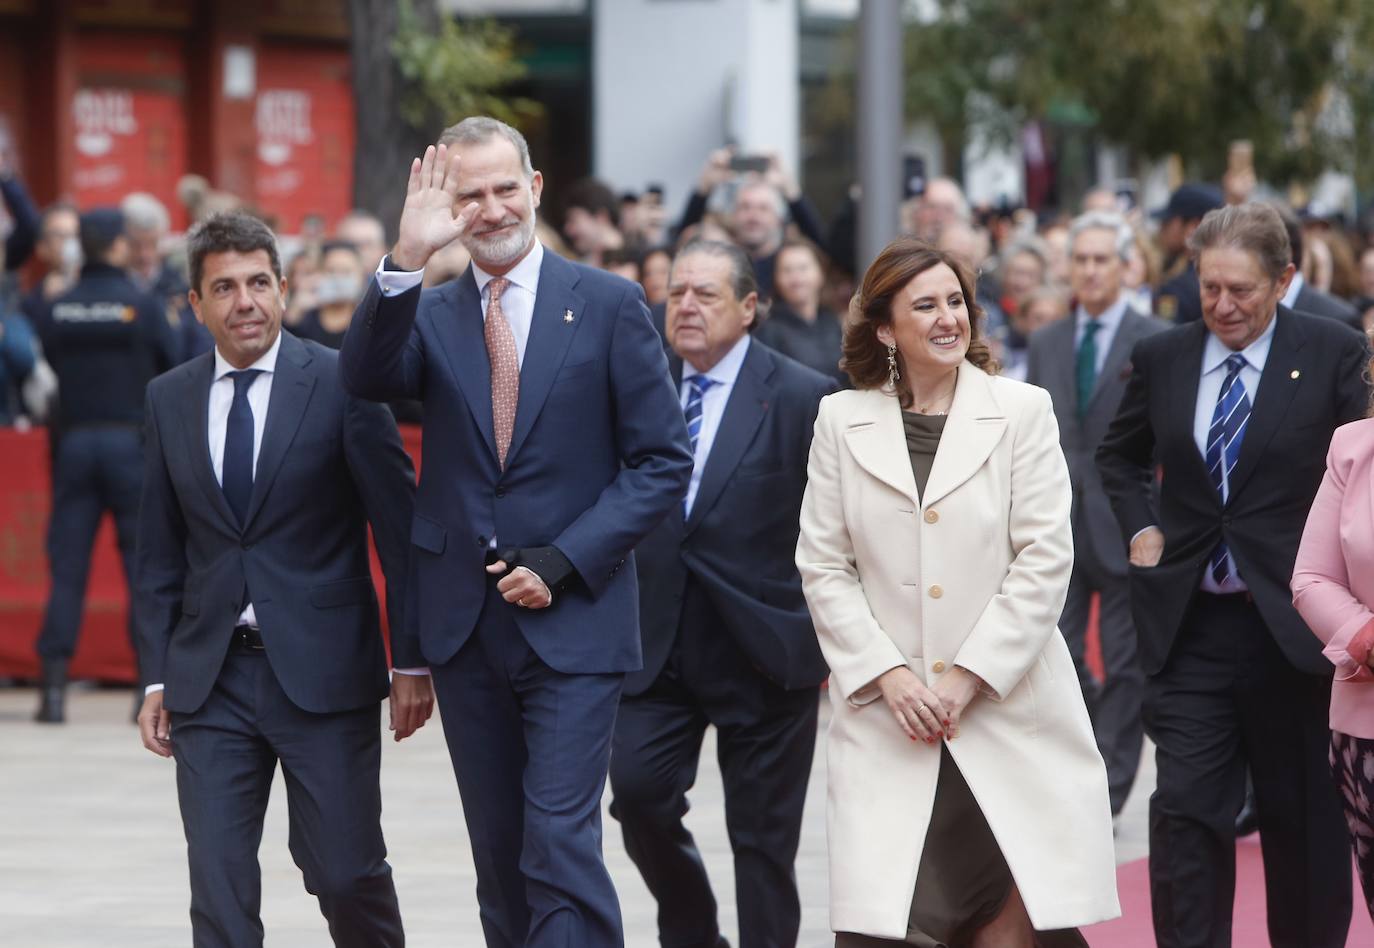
x=143 y=212
x=1108 y=221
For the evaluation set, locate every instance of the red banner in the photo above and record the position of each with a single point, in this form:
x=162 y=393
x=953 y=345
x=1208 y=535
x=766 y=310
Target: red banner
x=129 y=121
x=103 y=651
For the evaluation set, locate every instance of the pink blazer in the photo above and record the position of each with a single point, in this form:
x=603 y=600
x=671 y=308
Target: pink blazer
x=1333 y=578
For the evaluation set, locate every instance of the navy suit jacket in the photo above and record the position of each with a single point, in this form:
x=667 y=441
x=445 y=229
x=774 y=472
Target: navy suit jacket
x=599 y=454
x=740 y=542
x=327 y=466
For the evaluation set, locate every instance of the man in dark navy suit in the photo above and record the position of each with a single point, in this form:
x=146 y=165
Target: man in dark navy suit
x=553 y=444
x=727 y=637
x=260 y=634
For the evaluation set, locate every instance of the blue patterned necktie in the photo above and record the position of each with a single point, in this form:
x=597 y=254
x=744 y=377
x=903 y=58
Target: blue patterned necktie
x=237 y=473
x=1224 y=439
x=699 y=385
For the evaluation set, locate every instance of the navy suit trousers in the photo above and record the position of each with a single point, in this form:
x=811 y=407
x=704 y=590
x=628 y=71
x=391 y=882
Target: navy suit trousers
x=226 y=754
x=530 y=748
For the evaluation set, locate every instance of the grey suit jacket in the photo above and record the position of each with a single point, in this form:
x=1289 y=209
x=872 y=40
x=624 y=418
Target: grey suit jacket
x=1052 y=364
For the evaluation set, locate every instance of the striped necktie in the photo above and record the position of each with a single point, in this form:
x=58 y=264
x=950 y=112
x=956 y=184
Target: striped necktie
x=1224 y=439
x=700 y=384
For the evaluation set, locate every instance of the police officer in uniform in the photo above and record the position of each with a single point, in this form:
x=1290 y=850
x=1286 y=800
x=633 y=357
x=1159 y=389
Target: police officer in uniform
x=1179 y=299
x=105 y=340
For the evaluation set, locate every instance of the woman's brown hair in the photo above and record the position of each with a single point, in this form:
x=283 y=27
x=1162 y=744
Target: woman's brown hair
x=865 y=357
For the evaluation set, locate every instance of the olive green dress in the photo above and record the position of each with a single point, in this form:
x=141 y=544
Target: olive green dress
x=963 y=880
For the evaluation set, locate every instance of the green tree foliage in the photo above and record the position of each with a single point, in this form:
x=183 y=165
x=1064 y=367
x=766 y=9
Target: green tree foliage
x=1186 y=77
x=456 y=70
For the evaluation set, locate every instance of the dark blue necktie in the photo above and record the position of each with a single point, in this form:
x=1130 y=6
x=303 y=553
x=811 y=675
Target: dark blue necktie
x=237 y=478
x=1224 y=439
x=699 y=384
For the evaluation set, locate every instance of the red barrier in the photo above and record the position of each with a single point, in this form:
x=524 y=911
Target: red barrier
x=103 y=651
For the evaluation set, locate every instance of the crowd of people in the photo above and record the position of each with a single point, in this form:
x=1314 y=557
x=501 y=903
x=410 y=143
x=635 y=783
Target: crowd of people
x=917 y=481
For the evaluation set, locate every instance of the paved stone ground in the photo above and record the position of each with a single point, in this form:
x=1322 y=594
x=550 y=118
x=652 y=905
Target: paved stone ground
x=92 y=855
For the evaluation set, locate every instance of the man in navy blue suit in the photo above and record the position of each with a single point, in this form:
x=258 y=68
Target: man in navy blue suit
x=728 y=640
x=260 y=634
x=553 y=444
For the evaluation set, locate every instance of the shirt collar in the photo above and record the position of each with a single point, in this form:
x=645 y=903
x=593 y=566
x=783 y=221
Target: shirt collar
x=1294 y=288
x=1216 y=352
x=727 y=369
x=1107 y=319
x=267 y=362
x=524 y=274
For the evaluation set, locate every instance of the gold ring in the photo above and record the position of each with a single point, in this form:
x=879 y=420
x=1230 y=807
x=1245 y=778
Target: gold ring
x=921 y=707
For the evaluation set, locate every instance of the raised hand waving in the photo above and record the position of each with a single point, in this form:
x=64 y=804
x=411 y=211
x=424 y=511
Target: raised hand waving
x=428 y=221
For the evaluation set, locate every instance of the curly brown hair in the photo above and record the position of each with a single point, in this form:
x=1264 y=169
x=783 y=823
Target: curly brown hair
x=865 y=357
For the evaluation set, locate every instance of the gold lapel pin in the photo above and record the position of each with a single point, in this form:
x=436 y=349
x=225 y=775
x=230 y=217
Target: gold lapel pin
x=1294 y=374
x=567 y=316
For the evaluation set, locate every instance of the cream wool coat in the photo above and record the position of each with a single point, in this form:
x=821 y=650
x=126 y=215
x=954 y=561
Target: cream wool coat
x=974 y=573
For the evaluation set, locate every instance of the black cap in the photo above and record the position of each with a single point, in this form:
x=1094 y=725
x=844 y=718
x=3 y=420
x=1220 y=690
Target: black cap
x=101 y=225
x=1191 y=202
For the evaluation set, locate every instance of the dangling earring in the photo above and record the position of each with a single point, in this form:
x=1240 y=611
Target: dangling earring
x=893 y=375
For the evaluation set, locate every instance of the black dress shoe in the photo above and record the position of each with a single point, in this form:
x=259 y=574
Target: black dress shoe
x=53 y=694
x=1247 y=820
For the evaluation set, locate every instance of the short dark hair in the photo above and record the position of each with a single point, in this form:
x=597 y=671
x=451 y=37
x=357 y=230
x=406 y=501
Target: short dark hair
x=743 y=280
x=593 y=197
x=865 y=357
x=232 y=231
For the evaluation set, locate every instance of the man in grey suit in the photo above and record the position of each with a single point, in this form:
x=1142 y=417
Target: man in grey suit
x=1084 y=362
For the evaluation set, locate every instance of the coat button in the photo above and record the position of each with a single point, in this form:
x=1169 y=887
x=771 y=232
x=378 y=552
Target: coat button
x=938 y=667
x=936 y=592
x=932 y=516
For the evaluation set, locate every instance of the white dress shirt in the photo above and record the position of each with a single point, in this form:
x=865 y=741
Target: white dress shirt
x=221 y=399
x=1214 y=356
x=517 y=302
x=1109 y=319
x=713 y=401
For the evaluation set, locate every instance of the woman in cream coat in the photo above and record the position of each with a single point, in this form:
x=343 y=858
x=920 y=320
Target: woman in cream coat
x=936 y=604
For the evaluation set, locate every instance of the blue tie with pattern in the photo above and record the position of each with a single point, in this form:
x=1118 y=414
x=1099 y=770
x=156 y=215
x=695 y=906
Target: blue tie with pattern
x=237 y=472
x=1224 y=439
x=699 y=385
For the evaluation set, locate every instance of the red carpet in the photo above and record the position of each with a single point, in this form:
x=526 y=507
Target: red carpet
x=1133 y=930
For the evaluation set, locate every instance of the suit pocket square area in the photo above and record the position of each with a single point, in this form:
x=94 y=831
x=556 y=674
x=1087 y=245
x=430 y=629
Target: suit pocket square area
x=428 y=535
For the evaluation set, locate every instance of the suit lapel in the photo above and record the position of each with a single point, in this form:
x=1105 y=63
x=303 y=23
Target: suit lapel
x=459 y=327
x=877 y=440
x=195 y=417
x=749 y=400
x=976 y=424
x=1062 y=359
x=292 y=386
x=551 y=333
x=1278 y=384
x=1117 y=355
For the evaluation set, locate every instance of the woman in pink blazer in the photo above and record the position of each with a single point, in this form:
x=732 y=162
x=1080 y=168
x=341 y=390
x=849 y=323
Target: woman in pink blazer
x=1333 y=589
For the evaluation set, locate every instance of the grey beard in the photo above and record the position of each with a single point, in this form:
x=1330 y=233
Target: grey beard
x=501 y=250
